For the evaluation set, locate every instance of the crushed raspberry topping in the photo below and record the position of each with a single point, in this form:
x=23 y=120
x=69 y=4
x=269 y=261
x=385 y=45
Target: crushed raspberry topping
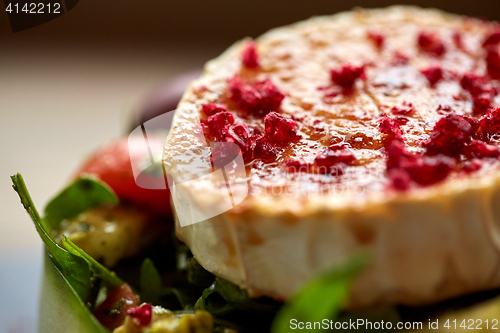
x=454 y=139
x=249 y=55
x=399 y=59
x=220 y=126
x=265 y=149
x=492 y=39
x=142 y=313
x=457 y=40
x=493 y=63
x=428 y=170
x=434 y=73
x=299 y=165
x=240 y=135
x=489 y=125
x=403 y=167
x=346 y=75
x=449 y=136
x=278 y=133
x=390 y=127
x=399 y=179
x=479 y=149
x=476 y=84
x=377 y=38
x=416 y=156
x=212 y=108
x=430 y=43
x=258 y=99
x=481 y=90
x=279 y=129
x=219 y=123
x=404 y=110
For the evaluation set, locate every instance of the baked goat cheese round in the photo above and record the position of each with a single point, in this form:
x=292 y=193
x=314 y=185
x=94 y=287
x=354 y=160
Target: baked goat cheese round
x=370 y=130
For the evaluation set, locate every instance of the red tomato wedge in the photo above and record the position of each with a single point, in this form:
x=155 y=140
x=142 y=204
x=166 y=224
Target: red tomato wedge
x=112 y=164
x=112 y=312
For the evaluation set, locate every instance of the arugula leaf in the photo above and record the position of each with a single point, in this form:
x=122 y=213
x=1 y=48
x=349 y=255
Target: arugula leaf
x=82 y=194
x=74 y=268
x=97 y=269
x=61 y=309
x=321 y=298
x=223 y=297
x=150 y=282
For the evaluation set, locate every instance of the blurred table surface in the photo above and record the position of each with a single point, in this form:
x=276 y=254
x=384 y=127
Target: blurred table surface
x=57 y=104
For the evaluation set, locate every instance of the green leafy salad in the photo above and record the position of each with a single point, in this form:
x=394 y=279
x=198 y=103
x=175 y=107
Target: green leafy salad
x=157 y=287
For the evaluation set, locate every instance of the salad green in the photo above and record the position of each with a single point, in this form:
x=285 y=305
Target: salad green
x=72 y=277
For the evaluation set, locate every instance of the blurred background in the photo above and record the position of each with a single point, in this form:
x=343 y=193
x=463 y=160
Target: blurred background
x=76 y=82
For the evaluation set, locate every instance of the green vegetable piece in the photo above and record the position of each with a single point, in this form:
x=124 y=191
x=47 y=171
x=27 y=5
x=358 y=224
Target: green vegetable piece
x=150 y=282
x=83 y=194
x=223 y=297
x=74 y=268
x=198 y=275
x=321 y=298
x=61 y=309
x=98 y=269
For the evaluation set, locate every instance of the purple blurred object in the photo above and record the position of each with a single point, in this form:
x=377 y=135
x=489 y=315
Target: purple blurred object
x=164 y=98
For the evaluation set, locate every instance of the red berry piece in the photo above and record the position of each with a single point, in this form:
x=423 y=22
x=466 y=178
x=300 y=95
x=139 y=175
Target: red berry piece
x=142 y=313
x=449 y=136
x=296 y=166
x=399 y=59
x=458 y=40
x=258 y=99
x=280 y=130
x=489 y=124
x=403 y=166
x=492 y=39
x=271 y=96
x=239 y=134
x=249 y=55
x=431 y=44
x=398 y=156
x=212 y=108
x=219 y=123
x=493 y=63
x=390 y=128
x=481 y=90
x=266 y=150
x=482 y=103
x=476 y=84
x=400 y=179
x=377 y=38
x=346 y=75
x=428 y=170
x=404 y=110
x=472 y=166
x=434 y=73
x=479 y=149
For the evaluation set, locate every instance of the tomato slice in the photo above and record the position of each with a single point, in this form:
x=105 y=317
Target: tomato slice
x=112 y=312
x=112 y=164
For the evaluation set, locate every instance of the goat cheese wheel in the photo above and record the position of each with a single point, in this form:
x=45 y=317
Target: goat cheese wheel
x=370 y=130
